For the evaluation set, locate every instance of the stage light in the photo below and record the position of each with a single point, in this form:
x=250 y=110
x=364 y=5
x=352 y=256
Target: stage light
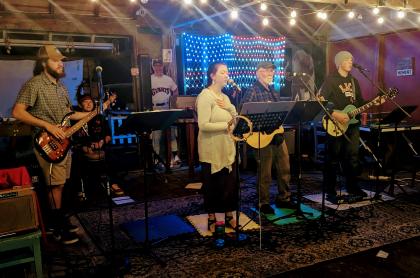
x=351 y=14
x=234 y=14
x=401 y=14
x=376 y=11
x=381 y=20
x=292 y=22
x=293 y=14
x=263 y=6
x=265 y=21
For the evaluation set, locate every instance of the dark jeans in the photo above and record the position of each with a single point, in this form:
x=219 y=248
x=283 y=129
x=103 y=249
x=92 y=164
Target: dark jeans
x=276 y=155
x=219 y=189
x=339 y=150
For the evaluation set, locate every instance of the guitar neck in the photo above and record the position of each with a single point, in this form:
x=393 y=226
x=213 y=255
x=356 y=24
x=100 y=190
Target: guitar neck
x=79 y=124
x=362 y=108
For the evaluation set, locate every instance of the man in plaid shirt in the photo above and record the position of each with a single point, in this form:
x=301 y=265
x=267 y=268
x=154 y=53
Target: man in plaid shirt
x=276 y=152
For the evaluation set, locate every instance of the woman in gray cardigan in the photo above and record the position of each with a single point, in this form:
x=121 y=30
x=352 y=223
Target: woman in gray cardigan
x=216 y=148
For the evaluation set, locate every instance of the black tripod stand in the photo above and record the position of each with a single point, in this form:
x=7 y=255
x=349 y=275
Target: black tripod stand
x=142 y=124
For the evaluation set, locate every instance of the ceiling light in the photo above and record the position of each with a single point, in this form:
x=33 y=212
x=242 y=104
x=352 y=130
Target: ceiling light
x=265 y=21
x=263 y=6
x=234 y=14
x=401 y=14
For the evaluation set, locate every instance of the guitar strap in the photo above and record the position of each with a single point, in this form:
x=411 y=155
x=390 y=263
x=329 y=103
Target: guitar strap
x=353 y=89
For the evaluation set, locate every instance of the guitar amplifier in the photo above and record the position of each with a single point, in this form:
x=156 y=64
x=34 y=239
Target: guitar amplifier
x=18 y=211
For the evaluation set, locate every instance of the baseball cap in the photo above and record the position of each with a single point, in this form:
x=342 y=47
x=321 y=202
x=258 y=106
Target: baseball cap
x=157 y=62
x=51 y=52
x=266 y=65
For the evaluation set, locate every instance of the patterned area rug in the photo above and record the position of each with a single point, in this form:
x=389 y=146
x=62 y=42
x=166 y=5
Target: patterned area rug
x=280 y=249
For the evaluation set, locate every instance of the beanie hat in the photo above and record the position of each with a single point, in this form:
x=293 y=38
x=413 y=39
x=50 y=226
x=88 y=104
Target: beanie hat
x=341 y=56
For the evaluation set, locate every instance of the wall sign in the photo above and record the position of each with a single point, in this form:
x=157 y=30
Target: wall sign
x=405 y=66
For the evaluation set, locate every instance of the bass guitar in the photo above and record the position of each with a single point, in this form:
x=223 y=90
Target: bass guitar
x=337 y=129
x=53 y=149
x=261 y=139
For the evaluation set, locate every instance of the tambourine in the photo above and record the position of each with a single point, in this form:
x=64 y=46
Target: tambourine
x=236 y=120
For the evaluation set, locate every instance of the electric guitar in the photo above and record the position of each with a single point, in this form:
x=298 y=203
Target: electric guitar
x=337 y=129
x=262 y=139
x=54 y=149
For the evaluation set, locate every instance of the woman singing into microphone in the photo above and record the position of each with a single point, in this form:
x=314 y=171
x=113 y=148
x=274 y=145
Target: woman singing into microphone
x=216 y=148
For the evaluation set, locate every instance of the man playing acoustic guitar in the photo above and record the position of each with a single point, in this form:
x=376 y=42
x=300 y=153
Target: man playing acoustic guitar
x=43 y=102
x=276 y=152
x=342 y=89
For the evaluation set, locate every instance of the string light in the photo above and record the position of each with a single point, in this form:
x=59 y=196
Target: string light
x=381 y=20
x=263 y=6
x=188 y=2
x=292 y=22
x=265 y=21
x=401 y=14
x=322 y=15
x=351 y=14
x=203 y=1
x=234 y=14
x=375 y=11
x=293 y=14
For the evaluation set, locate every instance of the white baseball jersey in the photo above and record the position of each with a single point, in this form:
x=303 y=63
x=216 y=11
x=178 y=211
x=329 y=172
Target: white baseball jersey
x=162 y=88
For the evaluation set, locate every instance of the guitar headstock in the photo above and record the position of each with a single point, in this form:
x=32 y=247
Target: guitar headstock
x=392 y=93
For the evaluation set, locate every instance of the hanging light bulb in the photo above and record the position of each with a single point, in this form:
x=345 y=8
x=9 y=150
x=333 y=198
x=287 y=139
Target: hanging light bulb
x=351 y=15
x=263 y=6
x=234 y=14
x=376 y=11
x=265 y=21
x=203 y=1
x=188 y=2
x=401 y=14
x=293 y=14
x=381 y=20
x=292 y=22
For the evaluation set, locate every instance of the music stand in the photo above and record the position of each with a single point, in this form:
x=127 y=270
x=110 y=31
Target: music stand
x=395 y=118
x=265 y=117
x=303 y=111
x=142 y=124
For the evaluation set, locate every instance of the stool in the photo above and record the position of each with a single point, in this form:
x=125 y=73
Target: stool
x=29 y=240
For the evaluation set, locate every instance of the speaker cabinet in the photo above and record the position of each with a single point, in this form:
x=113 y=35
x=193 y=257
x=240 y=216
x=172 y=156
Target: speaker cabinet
x=17 y=211
x=145 y=83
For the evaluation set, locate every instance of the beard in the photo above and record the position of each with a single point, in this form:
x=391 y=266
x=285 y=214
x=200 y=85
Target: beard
x=57 y=75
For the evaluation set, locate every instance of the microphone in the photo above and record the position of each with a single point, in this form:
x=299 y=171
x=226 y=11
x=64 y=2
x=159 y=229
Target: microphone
x=359 y=67
x=231 y=82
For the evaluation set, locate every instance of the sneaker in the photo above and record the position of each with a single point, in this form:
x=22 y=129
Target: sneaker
x=267 y=209
x=69 y=238
x=285 y=204
x=355 y=190
x=68 y=227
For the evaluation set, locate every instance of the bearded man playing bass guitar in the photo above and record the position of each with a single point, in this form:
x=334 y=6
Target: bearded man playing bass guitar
x=43 y=102
x=276 y=152
x=342 y=89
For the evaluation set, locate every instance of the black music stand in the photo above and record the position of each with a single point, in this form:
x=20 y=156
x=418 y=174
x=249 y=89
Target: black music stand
x=394 y=119
x=142 y=124
x=303 y=111
x=265 y=117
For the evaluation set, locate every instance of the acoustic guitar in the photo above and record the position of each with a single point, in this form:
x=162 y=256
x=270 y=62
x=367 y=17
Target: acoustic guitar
x=338 y=128
x=54 y=149
x=261 y=139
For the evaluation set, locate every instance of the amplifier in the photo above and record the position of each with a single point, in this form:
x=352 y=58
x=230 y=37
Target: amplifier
x=18 y=211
